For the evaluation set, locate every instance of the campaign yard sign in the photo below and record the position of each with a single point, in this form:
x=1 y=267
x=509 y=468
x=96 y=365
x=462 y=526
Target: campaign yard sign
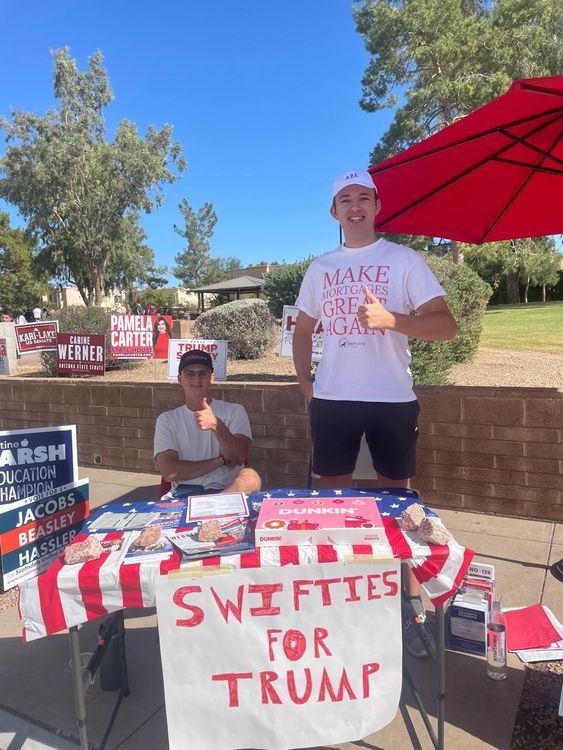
x=35 y=532
x=289 y=320
x=4 y=360
x=278 y=657
x=81 y=354
x=37 y=337
x=36 y=461
x=140 y=336
x=217 y=349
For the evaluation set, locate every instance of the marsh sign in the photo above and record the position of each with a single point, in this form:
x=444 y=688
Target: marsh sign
x=36 y=461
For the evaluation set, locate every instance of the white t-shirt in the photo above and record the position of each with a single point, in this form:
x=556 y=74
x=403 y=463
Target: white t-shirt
x=176 y=430
x=359 y=364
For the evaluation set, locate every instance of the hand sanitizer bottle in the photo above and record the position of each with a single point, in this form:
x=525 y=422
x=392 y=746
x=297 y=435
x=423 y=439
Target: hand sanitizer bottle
x=496 y=643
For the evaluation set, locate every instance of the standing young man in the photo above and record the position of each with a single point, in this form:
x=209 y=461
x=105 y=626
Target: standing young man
x=364 y=293
x=204 y=443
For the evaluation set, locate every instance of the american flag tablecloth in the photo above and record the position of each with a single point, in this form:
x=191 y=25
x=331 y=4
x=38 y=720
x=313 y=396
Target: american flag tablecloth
x=67 y=595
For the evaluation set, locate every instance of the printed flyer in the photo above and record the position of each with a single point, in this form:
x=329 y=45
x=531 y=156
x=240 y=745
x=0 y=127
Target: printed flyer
x=130 y=516
x=216 y=536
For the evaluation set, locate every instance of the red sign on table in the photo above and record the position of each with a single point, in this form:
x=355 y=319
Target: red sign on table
x=37 y=337
x=81 y=354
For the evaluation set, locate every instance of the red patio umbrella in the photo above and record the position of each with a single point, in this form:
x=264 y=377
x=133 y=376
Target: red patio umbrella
x=496 y=174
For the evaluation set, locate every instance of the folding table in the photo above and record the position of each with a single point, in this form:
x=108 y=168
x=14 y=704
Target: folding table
x=68 y=596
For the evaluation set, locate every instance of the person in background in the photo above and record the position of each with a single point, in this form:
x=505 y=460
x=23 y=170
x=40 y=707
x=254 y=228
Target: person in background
x=201 y=447
x=36 y=313
x=161 y=335
x=6 y=317
x=151 y=309
x=365 y=293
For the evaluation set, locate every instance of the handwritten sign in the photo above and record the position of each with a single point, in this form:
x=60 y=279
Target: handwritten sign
x=279 y=657
x=217 y=349
x=289 y=319
x=37 y=337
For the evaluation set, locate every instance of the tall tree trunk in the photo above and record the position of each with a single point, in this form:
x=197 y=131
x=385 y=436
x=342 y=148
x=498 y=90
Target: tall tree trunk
x=512 y=289
x=83 y=294
x=543 y=293
x=457 y=257
x=526 y=288
x=98 y=292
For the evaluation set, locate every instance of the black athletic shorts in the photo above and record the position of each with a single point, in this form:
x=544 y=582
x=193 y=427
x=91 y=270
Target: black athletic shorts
x=391 y=430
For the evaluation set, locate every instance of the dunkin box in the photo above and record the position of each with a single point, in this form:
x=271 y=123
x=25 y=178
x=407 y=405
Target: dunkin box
x=319 y=520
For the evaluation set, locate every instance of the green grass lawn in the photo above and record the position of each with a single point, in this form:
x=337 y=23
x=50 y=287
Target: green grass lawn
x=534 y=327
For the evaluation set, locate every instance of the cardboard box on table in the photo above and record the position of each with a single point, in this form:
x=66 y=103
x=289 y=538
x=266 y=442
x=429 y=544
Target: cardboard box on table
x=319 y=520
x=468 y=614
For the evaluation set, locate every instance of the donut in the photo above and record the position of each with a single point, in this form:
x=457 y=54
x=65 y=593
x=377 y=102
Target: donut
x=275 y=523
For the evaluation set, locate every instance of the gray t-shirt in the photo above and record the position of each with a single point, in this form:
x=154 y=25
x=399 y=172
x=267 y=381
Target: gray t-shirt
x=176 y=430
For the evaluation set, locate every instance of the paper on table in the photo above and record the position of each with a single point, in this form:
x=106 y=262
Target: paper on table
x=553 y=652
x=531 y=628
x=223 y=505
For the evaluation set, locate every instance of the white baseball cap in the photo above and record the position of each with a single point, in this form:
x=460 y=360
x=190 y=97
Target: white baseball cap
x=353 y=177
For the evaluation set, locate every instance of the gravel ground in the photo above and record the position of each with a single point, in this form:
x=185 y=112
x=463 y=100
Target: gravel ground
x=491 y=367
x=537 y=725
x=498 y=367
x=9 y=599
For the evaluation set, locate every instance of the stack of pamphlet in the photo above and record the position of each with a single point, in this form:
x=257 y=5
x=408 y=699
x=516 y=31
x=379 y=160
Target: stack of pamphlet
x=144 y=524
x=138 y=515
x=214 y=525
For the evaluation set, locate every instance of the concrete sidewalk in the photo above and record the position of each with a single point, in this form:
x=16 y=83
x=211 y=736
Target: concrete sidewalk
x=36 y=691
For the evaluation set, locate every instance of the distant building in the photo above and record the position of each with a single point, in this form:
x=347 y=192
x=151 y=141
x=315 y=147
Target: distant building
x=60 y=297
x=258 y=272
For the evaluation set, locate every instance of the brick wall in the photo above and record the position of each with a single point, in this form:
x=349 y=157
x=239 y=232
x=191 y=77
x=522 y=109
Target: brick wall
x=483 y=449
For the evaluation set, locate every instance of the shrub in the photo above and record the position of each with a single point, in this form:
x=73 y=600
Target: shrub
x=282 y=285
x=467 y=299
x=78 y=319
x=246 y=324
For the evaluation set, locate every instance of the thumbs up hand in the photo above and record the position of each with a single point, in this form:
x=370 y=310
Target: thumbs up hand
x=372 y=314
x=205 y=419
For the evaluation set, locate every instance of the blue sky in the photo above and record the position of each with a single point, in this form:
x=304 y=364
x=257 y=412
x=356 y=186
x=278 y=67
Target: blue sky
x=263 y=97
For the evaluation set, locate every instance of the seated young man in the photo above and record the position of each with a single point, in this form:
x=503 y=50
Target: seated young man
x=203 y=444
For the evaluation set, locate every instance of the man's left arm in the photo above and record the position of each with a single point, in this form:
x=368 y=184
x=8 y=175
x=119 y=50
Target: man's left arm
x=433 y=320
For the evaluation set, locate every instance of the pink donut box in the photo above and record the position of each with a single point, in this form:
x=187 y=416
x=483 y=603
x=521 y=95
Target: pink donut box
x=324 y=520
